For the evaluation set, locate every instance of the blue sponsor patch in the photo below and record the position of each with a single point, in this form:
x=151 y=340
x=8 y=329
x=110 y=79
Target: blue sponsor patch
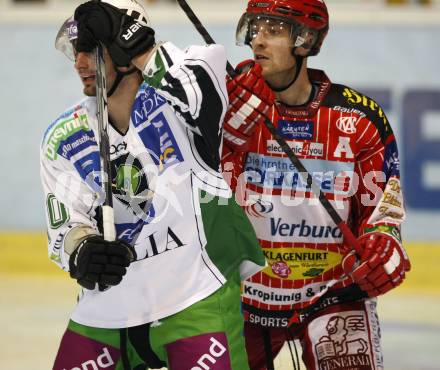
x=146 y=103
x=128 y=232
x=391 y=163
x=279 y=173
x=89 y=168
x=76 y=143
x=301 y=130
x=154 y=130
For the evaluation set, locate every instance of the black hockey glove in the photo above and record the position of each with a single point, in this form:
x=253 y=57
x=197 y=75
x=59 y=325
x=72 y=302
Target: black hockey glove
x=97 y=261
x=123 y=36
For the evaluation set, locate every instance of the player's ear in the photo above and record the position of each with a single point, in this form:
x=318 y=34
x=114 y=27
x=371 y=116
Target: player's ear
x=301 y=51
x=128 y=68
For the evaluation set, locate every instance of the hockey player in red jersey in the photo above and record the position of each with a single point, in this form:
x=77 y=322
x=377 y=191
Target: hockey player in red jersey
x=315 y=288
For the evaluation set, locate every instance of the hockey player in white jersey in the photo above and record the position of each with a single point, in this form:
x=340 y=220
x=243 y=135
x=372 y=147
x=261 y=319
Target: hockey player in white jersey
x=167 y=291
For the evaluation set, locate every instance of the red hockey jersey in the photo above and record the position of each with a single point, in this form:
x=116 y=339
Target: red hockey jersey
x=346 y=143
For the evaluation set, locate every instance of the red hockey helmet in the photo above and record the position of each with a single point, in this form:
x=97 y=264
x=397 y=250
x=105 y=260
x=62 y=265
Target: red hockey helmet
x=308 y=19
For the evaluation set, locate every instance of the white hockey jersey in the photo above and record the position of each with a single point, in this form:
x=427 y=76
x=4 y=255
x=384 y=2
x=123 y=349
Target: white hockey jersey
x=170 y=200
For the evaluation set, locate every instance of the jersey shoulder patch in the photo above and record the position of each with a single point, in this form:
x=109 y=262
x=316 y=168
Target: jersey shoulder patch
x=347 y=100
x=70 y=131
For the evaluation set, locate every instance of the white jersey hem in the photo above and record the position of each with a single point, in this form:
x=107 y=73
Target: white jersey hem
x=158 y=315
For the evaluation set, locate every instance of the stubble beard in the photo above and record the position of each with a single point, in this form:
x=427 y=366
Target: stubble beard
x=89 y=91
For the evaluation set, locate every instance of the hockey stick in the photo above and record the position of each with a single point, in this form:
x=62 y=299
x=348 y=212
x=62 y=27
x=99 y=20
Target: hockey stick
x=305 y=175
x=108 y=219
x=316 y=189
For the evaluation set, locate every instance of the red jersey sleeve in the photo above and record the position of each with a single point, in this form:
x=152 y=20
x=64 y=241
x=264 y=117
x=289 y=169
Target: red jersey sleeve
x=378 y=201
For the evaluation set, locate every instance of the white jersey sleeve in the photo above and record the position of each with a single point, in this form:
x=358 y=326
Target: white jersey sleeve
x=71 y=201
x=193 y=82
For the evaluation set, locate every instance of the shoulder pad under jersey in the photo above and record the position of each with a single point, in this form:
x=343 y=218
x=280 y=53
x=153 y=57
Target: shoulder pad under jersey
x=348 y=100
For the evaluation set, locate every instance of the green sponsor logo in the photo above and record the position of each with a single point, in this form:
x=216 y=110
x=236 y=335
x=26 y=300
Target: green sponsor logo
x=130 y=184
x=62 y=131
x=387 y=229
x=128 y=179
x=55 y=257
x=58 y=214
x=153 y=76
x=313 y=272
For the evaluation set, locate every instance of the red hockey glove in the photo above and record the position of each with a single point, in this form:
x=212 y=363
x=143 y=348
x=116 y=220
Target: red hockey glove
x=382 y=265
x=251 y=101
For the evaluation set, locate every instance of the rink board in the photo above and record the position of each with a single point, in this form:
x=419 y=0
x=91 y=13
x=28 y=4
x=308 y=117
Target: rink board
x=37 y=298
x=26 y=254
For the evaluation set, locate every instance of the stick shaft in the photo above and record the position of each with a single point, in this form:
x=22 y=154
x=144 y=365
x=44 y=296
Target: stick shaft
x=104 y=146
x=307 y=178
x=315 y=188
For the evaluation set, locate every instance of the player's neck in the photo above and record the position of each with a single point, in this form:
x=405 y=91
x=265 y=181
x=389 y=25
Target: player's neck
x=299 y=92
x=121 y=102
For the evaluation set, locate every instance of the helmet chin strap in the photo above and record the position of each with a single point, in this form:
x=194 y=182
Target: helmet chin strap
x=299 y=62
x=119 y=76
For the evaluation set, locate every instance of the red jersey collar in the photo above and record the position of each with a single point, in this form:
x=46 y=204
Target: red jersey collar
x=319 y=79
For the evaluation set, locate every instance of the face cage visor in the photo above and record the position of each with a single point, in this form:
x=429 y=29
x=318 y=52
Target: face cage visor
x=250 y=25
x=66 y=38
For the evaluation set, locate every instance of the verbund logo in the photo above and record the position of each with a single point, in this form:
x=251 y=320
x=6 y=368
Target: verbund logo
x=302 y=130
x=202 y=352
x=277 y=227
